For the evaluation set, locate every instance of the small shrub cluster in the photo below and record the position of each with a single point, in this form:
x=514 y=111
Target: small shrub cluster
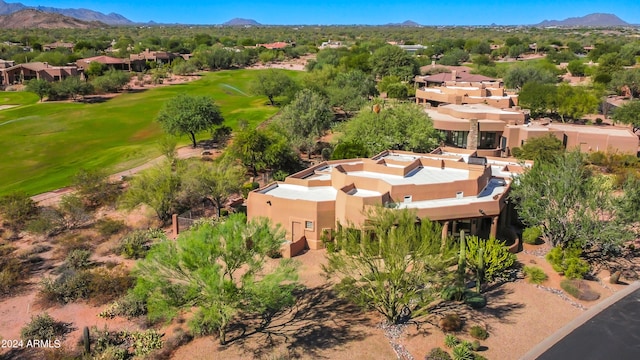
x=531 y=235
x=100 y=285
x=568 y=262
x=107 y=227
x=43 y=327
x=451 y=341
x=78 y=259
x=437 y=354
x=11 y=273
x=462 y=352
x=579 y=289
x=534 y=274
x=125 y=344
x=70 y=242
x=451 y=322
x=128 y=306
x=136 y=244
x=478 y=332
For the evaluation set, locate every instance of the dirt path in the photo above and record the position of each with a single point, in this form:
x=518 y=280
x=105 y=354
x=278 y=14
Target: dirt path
x=52 y=197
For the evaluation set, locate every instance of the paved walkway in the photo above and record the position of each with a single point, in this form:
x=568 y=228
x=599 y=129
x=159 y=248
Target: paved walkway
x=52 y=197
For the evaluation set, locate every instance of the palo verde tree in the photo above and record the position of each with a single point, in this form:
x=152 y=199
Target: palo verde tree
x=214 y=181
x=218 y=269
x=628 y=113
x=189 y=114
x=571 y=206
x=39 y=87
x=395 y=265
x=272 y=83
x=306 y=118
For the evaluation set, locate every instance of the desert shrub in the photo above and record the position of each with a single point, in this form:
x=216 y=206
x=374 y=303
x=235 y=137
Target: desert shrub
x=475 y=345
x=477 y=356
x=78 y=259
x=531 y=235
x=43 y=327
x=128 y=306
x=108 y=227
x=453 y=293
x=70 y=242
x=475 y=300
x=48 y=222
x=437 y=354
x=124 y=343
x=248 y=187
x=451 y=322
x=451 y=341
x=462 y=352
x=534 y=274
x=71 y=285
x=579 y=289
x=136 y=244
x=11 y=274
x=568 y=261
x=107 y=285
x=478 y=332
x=179 y=338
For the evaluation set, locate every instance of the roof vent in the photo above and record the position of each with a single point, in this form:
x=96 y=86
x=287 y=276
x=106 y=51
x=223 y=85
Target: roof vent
x=459 y=195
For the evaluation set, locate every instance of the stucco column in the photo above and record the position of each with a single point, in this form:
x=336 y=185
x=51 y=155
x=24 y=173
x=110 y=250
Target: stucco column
x=474 y=226
x=472 y=138
x=445 y=234
x=494 y=227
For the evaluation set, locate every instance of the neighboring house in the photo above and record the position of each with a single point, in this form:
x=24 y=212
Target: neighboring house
x=139 y=61
x=275 y=46
x=454 y=187
x=455 y=76
x=6 y=63
x=412 y=49
x=20 y=73
x=331 y=44
x=475 y=89
x=108 y=61
x=58 y=45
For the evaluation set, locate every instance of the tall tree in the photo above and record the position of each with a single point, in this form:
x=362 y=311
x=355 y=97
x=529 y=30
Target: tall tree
x=189 y=114
x=576 y=101
x=394 y=266
x=539 y=98
x=517 y=76
x=214 y=181
x=218 y=269
x=39 y=87
x=157 y=187
x=272 y=83
x=306 y=118
x=392 y=60
x=545 y=149
x=628 y=113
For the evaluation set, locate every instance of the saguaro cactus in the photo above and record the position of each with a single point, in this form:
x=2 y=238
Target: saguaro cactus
x=480 y=270
x=86 y=341
x=462 y=257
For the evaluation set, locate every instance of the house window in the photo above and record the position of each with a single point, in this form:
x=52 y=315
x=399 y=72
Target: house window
x=308 y=225
x=487 y=140
x=455 y=138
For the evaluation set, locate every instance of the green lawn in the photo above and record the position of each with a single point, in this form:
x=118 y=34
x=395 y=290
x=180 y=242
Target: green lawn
x=44 y=144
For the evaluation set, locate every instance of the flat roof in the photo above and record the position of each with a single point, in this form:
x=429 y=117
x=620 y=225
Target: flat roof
x=364 y=193
x=475 y=108
x=297 y=192
x=588 y=129
x=419 y=176
x=452 y=201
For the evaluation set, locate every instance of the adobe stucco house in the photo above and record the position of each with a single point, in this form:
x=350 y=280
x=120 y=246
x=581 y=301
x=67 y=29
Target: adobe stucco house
x=452 y=186
x=484 y=117
x=20 y=73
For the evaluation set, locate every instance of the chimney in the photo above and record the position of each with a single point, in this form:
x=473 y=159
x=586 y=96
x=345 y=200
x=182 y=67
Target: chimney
x=472 y=138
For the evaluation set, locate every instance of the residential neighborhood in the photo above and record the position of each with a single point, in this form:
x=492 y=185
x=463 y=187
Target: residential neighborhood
x=459 y=187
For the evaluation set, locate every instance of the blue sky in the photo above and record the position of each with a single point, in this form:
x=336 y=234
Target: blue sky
x=326 y=12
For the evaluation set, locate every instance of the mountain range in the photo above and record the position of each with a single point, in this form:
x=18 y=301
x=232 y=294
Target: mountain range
x=597 y=19
x=36 y=19
x=80 y=14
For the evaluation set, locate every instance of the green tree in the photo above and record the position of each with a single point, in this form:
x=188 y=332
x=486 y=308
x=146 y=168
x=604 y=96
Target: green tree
x=218 y=269
x=400 y=127
x=73 y=87
x=349 y=150
x=577 y=67
x=94 y=187
x=214 y=181
x=392 y=60
x=576 y=101
x=39 y=87
x=517 y=76
x=112 y=81
x=454 y=57
x=189 y=114
x=250 y=146
x=395 y=266
x=539 y=98
x=626 y=80
x=95 y=69
x=628 y=113
x=545 y=149
x=568 y=203
x=351 y=90
x=157 y=187
x=306 y=118
x=272 y=83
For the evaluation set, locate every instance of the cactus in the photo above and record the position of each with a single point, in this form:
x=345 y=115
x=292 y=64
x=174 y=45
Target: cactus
x=480 y=269
x=462 y=259
x=85 y=340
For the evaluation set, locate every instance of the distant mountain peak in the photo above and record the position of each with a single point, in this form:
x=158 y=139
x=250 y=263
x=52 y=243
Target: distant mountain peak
x=80 y=14
x=407 y=23
x=241 y=22
x=596 y=19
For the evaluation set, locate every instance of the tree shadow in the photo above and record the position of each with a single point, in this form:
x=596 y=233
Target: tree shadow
x=498 y=306
x=319 y=320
